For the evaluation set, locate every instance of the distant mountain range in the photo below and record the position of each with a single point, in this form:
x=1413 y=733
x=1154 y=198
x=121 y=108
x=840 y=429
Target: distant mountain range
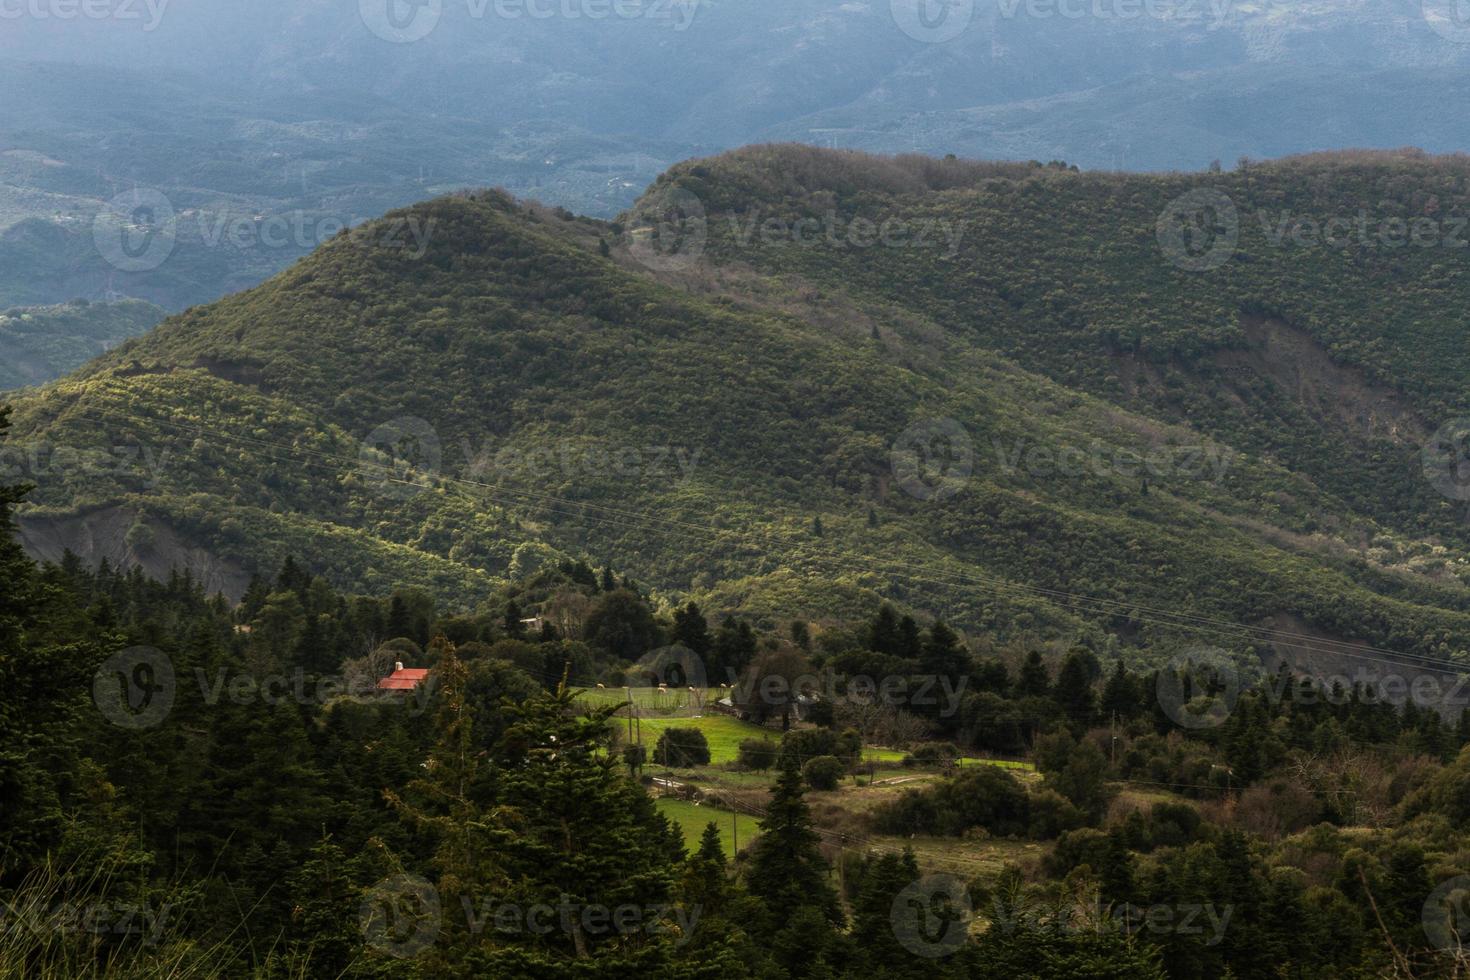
x=247 y=133
x=1029 y=399
x=40 y=343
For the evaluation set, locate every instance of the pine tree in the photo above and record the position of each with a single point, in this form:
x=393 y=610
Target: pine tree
x=691 y=629
x=943 y=654
x=1073 y=691
x=882 y=635
x=43 y=686
x=787 y=872
x=873 y=929
x=1120 y=696
x=1034 y=681
x=572 y=828
x=910 y=646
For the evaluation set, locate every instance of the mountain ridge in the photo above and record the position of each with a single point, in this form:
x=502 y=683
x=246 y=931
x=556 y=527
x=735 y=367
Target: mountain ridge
x=790 y=379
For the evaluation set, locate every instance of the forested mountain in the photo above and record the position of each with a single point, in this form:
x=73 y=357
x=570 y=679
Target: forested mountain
x=1031 y=400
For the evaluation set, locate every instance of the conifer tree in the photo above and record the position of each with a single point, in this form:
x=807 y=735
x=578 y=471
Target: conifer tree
x=787 y=871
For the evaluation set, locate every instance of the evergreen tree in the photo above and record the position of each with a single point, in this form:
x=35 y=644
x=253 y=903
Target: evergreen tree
x=943 y=654
x=875 y=939
x=692 y=630
x=1034 y=680
x=882 y=634
x=787 y=872
x=1073 y=692
x=1120 y=697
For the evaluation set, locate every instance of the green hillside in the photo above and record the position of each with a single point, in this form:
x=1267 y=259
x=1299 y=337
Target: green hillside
x=733 y=417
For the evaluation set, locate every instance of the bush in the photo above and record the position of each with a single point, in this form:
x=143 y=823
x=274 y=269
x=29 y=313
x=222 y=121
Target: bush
x=1053 y=814
x=809 y=743
x=823 y=772
x=932 y=754
x=681 y=748
x=758 y=753
x=984 y=796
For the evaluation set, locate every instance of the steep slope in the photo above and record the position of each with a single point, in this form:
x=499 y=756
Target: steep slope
x=979 y=426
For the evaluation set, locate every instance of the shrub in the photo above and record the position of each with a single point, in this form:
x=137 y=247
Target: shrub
x=823 y=772
x=985 y=796
x=758 y=753
x=933 y=754
x=682 y=748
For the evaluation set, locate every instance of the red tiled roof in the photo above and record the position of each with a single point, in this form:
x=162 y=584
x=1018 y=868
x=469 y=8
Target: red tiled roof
x=403 y=680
